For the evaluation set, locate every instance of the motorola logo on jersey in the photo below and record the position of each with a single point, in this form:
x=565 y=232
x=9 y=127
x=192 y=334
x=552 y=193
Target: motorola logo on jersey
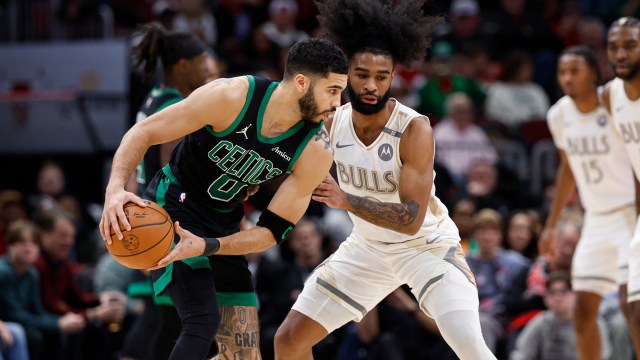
x=385 y=152
x=602 y=120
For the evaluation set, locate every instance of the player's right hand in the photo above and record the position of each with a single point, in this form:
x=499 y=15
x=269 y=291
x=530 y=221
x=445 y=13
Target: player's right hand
x=547 y=244
x=113 y=211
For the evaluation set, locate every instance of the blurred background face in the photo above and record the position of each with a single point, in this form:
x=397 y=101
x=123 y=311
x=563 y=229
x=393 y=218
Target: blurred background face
x=575 y=76
x=51 y=180
x=489 y=238
x=482 y=179
x=461 y=110
x=306 y=242
x=25 y=251
x=58 y=242
x=462 y=216
x=200 y=70
x=519 y=232
x=623 y=51
x=559 y=298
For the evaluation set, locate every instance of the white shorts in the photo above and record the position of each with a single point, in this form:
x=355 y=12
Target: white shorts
x=600 y=263
x=633 y=287
x=362 y=273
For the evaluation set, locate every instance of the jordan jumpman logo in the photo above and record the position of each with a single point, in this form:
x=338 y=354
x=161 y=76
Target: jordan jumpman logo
x=244 y=131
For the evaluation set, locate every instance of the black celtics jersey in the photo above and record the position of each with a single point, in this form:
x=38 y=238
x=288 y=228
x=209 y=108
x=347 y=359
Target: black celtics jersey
x=217 y=167
x=157 y=100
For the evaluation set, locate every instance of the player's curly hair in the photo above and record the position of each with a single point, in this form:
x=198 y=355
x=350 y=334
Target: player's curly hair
x=396 y=28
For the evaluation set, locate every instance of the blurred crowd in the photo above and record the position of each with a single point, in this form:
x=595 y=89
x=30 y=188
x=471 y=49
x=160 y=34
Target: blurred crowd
x=486 y=85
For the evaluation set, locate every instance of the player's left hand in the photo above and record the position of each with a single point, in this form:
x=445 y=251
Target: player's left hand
x=329 y=192
x=189 y=246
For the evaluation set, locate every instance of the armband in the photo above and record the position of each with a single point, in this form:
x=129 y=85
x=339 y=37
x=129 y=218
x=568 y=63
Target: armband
x=278 y=226
x=211 y=246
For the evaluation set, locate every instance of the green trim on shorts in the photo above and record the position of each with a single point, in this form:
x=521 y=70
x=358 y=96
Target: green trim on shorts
x=160 y=285
x=140 y=289
x=237 y=299
x=162 y=300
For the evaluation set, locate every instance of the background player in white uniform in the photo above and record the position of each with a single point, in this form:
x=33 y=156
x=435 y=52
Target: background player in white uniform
x=384 y=153
x=593 y=158
x=622 y=98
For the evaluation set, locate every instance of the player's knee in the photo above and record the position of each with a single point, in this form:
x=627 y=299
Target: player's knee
x=203 y=325
x=285 y=340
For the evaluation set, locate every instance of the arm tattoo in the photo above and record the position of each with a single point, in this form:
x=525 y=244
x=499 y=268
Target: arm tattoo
x=386 y=215
x=323 y=135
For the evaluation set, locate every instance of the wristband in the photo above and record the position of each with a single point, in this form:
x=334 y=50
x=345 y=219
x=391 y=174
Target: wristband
x=211 y=246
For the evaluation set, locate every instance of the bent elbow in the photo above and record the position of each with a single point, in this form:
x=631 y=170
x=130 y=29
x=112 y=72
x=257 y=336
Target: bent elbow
x=411 y=229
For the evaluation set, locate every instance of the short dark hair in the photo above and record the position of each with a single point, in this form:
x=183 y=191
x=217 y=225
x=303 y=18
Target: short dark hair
x=18 y=227
x=46 y=219
x=315 y=57
x=588 y=56
x=626 y=21
x=558 y=276
x=398 y=29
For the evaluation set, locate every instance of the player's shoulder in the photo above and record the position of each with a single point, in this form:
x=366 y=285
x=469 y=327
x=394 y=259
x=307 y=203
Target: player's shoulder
x=227 y=89
x=560 y=108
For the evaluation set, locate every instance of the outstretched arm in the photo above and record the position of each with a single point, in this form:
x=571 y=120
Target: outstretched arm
x=416 y=181
x=289 y=202
x=193 y=113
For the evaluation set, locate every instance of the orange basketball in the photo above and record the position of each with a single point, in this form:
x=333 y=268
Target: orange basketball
x=149 y=239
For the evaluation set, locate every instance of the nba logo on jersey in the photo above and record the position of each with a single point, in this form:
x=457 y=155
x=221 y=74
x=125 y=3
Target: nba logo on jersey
x=385 y=152
x=602 y=120
x=182 y=197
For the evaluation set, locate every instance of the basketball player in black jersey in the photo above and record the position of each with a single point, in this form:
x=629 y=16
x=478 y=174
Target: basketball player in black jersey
x=187 y=64
x=238 y=132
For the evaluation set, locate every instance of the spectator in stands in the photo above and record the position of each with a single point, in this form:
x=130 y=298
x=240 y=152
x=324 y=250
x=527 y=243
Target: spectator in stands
x=495 y=269
x=195 y=17
x=521 y=235
x=302 y=252
x=460 y=142
x=60 y=291
x=12 y=208
x=462 y=30
x=20 y=296
x=482 y=187
x=516 y=99
x=525 y=298
x=462 y=215
x=443 y=80
x=551 y=335
x=281 y=27
x=13 y=342
x=592 y=34
x=395 y=329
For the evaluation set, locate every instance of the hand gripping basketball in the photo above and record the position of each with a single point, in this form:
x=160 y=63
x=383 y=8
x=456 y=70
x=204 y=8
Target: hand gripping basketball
x=189 y=246
x=114 y=212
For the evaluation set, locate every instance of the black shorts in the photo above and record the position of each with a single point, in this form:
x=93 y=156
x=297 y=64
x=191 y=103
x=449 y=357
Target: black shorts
x=231 y=273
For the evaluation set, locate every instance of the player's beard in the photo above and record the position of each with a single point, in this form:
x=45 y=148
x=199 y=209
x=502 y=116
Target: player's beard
x=309 y=108
x=634 y=70
x=364 y=108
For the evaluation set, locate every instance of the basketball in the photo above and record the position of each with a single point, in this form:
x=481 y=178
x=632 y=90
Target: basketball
x=149 y=239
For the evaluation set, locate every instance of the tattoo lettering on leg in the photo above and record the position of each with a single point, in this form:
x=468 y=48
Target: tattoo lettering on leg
x=239 y=335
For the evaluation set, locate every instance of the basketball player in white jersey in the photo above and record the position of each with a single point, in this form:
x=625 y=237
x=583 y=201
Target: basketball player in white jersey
x=622 y=99
x=593 y=158
x=384 y=154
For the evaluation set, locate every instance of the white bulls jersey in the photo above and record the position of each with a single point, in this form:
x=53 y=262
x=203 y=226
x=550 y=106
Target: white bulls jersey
x=596 y=156
x=626 y=118
x=374 y=172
